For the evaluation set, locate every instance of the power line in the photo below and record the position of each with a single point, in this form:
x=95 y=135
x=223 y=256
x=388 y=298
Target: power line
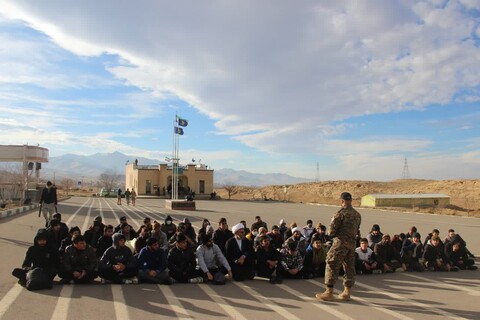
x=406 y=172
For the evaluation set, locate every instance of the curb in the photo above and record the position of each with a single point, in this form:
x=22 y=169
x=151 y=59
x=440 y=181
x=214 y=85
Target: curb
x=15 y=211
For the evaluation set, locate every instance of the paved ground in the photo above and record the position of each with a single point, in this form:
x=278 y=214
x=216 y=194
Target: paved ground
x=393 y=296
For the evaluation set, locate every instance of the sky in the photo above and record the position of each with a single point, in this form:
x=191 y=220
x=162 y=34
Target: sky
x=323 y=90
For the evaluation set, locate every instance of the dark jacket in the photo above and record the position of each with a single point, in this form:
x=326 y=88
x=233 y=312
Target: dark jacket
x=386 y=253
x=103 y=244
x=233 y=252
x=114 y=255
x=262 y=255
x=78 y=260
x=220 y=238
x=181 y=260
x=432 y=253
x=49 y=195
x=151 y=260
x=40 y=257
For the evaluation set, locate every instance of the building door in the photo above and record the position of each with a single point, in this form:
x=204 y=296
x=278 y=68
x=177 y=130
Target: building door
x=148 y=186
x=202 y=186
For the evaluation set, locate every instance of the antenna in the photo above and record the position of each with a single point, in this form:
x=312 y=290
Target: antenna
x=406 y=172
x=317 y=175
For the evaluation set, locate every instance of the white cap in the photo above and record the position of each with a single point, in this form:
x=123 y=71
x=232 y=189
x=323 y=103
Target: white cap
x=237 y=227
x=297 y=229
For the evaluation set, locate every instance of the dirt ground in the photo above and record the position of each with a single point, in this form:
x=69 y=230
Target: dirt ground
x=464 y=194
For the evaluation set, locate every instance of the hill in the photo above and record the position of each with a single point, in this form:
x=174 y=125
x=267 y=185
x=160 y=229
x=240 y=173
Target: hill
x=464 y=194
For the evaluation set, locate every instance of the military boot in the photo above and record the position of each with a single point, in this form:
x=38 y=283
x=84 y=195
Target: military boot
x=345 y=295
x=326 y=296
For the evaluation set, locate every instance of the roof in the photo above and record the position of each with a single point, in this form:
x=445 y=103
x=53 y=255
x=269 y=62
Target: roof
x=408 y=195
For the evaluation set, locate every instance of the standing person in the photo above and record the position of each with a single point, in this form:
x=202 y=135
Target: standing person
x=127 y=196
x=119 y=196
x=343 y=229
x=133 y=194
x=48 y=201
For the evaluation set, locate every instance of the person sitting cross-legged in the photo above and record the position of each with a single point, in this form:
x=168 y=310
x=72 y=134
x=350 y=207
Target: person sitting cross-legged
x=79 y=264
x=182 y=263
x=412 y=253
x=211 y=260
x=434 y=255
x=240 y=255
x=267 y=260
x=152 y=264
x=315 y=256
x=365 y=259
x=118 y=265
x=387 y=256
x=456 y=253
x=291 y=265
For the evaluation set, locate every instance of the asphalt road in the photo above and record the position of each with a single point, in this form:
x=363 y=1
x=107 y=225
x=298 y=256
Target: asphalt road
x=402 y=295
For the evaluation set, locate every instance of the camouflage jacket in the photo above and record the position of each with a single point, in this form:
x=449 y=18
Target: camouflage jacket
x=344 y=226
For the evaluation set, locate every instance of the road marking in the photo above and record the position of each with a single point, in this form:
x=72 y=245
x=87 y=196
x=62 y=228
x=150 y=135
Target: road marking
x=325 y=306
x=174 y=303
x=69 y=221
x=87 y=218
x=231 y=311
x=413 y=302
x=9 y=298
x=119 y=305
x=63 y=303
x=279 y=310
x=374 y=305
x=443 y=284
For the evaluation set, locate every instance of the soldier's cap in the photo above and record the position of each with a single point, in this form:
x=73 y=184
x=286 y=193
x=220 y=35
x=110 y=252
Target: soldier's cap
x=346 y=196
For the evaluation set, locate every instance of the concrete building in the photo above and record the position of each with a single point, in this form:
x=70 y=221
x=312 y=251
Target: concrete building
x=405 y=200
x=157 y=179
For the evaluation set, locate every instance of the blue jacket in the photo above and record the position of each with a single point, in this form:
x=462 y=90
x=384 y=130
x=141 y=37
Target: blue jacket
x=152 y=260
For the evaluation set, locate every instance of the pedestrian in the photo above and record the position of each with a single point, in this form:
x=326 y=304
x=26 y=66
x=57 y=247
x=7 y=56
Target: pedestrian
x=127 y=196
x=119 y=196
x=133 y=194
x=343 y=229
x=48 y=201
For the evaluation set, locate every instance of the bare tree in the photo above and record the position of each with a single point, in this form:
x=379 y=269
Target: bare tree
x=231 y=189
x=10 y=182
x=67 y=184
x=109 y=180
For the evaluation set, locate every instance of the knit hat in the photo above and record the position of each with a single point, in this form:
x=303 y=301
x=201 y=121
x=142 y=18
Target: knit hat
x=98 y=218
x=237 y=227
x=375 y=227
x=116 y=239
x=282 y=221
x=186 y=220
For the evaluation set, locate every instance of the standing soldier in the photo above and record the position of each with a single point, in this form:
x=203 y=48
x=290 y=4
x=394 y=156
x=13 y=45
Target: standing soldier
x=119 y=196
x=343 y=229
x=133 y=194
x=48 y=201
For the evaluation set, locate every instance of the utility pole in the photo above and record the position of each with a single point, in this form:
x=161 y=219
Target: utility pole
x=406 y=172
x=317 y=175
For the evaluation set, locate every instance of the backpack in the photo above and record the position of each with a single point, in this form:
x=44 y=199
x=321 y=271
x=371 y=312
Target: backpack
x=38 y=279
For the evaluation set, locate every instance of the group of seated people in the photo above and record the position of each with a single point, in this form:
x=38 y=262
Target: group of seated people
x=165 y=253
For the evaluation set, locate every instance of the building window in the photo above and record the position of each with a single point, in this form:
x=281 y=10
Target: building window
x=202 y=186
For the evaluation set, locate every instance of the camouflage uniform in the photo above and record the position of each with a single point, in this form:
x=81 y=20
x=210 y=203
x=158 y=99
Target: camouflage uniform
x=343 y=229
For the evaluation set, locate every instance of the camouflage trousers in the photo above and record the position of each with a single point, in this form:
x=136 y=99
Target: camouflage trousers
x=339 y=256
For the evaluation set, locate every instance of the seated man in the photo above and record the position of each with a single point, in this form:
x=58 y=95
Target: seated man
x=298 y=239
x=118 y=265
x=308 y=230
x=38 y=256
x=239 y=254
x=182 y=263
x=69 y=240
x=291 y=265
x=268 y=259
x=375 y=236
x=79 y=262
x=211 y=260
x=261 y=232
x=161 y=237
x=276 y=238
x=94 y=233
x=435 y=259
x=412 y=253
x=105 y=241
x=435 y=232
x=451 y=235
x=365 y=259
x=152 y=263
x=314 y=263
x=141 y=241
x=388 y=257
x=456 y=253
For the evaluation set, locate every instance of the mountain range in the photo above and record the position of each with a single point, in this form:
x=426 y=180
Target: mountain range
x=88 y=168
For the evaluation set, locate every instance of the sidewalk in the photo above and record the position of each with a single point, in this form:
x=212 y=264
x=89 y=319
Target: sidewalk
x=14 y=211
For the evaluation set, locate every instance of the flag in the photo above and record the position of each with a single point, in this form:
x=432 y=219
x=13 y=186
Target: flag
x=178 y=131
x=182 y=122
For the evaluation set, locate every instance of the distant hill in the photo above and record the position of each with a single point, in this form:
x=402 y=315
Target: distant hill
x=90 y=167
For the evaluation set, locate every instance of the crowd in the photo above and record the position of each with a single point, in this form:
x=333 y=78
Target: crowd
x=167 y=253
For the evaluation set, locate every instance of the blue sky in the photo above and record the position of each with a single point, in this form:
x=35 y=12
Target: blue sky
x=266 y=87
